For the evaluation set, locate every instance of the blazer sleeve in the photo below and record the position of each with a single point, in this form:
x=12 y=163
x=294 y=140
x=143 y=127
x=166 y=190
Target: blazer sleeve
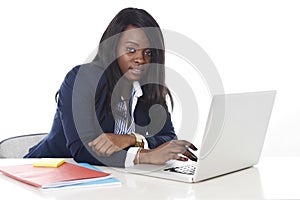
x=166 y=134
x=76 y=106
x=156 y=126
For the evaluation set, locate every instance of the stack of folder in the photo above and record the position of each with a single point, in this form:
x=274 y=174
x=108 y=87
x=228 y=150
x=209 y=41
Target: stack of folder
x=56 y=173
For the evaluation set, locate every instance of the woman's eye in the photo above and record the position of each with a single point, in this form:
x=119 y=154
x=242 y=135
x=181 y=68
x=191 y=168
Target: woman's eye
x=148 y=53
x=131 y=50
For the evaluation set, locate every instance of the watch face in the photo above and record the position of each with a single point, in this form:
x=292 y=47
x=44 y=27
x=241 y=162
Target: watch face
x=139 y=144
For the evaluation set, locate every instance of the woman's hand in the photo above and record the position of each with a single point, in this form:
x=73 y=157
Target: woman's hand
x=109 y=143
x=172 y=150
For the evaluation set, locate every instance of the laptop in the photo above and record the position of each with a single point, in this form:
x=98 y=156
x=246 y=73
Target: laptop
x=233 y=139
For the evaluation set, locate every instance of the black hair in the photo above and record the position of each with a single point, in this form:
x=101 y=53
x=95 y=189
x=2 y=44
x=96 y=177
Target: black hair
x=153 y=93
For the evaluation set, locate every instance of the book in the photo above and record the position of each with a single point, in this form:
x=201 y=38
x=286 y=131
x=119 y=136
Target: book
x=48 y=177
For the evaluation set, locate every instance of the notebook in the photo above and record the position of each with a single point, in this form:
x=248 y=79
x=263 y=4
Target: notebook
x=233 y=139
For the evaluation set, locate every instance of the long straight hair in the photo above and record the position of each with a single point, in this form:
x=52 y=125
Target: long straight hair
x=154 y=89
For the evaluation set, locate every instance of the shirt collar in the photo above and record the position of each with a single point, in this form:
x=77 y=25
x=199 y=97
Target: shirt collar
x=137 y=90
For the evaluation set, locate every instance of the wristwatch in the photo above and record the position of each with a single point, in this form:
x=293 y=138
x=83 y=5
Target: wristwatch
x=138 y=140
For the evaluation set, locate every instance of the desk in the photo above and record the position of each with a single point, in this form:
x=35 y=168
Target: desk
x=272 y=178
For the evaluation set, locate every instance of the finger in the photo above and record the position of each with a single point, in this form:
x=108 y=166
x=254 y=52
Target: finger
x=108 y=152
x=96 y=140
x=97 y=152
x=174 y=146
x=193 y=147
x=105 y=148
x=177 y=149
x=186 y=144
x=181 y=158
x=111 y=150
x=190 y=155
x=178 y=157
x=100 y=145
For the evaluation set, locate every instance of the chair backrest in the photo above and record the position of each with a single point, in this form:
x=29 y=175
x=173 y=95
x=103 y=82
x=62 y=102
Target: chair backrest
x=17 y=147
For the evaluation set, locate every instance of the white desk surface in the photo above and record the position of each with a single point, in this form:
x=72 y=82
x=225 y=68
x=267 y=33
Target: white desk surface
x=272 y=178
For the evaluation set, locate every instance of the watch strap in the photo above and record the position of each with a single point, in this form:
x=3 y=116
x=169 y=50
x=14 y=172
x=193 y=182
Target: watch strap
x=138 y=140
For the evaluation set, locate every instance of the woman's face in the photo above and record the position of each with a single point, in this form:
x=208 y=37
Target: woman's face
x=134 y=53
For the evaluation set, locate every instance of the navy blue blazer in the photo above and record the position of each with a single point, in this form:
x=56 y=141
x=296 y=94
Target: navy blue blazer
x=81 y=116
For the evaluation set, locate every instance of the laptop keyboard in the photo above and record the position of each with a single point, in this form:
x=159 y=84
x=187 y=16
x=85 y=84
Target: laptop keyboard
x=185 y=169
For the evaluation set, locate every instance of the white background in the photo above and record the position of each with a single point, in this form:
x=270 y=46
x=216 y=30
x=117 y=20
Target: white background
x=255 y=45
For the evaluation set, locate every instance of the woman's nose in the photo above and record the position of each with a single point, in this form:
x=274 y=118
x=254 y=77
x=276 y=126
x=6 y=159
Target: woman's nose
x=139 y=57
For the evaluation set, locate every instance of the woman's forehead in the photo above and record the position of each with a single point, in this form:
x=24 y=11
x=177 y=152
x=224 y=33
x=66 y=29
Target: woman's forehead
x=135 y=36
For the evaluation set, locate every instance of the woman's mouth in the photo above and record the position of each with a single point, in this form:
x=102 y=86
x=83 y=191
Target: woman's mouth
x=136 y=70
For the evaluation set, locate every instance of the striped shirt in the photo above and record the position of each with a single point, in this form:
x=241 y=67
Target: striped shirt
x=121 y=121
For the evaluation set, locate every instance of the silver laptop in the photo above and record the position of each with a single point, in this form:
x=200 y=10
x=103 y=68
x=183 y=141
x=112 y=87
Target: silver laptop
x=233 y=139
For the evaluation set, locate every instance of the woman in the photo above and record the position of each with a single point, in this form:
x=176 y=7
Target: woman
x=113 y=111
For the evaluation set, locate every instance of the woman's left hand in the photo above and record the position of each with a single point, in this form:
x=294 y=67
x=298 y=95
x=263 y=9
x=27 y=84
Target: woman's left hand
x=109 y=143
x=171 y=150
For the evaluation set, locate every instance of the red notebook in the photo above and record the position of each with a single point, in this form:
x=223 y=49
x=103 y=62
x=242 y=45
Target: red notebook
x=49 y=177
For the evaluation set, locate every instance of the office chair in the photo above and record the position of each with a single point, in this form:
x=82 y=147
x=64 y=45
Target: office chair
x=17 y=147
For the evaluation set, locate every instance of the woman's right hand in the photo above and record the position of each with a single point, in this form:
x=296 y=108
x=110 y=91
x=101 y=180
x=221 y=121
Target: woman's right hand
x=171 y=150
